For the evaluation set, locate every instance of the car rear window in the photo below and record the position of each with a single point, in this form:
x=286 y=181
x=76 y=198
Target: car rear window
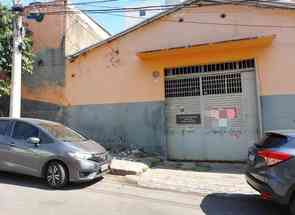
x=271 y=140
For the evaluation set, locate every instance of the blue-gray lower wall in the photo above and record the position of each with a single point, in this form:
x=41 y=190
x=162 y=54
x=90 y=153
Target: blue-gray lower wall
x=133 y=125
x=49 y=67
x=36 y=109
x=142 y=124
x=278 y=112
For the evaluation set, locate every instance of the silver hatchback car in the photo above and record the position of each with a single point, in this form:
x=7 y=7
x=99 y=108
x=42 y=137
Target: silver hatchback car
x=50 y=150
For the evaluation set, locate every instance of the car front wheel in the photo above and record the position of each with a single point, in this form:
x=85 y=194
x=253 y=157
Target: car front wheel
x=56 y=175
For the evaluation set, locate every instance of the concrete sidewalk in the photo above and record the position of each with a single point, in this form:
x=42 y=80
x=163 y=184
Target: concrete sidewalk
x=124 y=167
x=190 y=181
x=201 y=178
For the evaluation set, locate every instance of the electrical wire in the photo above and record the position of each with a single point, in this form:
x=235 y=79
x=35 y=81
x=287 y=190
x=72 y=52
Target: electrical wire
x=208 y=23
x=157 y=7
x=53 y=4
x=170 y=5
x=161 y=7
x=115 y=11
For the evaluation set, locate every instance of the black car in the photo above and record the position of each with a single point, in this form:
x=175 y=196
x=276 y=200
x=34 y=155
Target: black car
x=271 y=167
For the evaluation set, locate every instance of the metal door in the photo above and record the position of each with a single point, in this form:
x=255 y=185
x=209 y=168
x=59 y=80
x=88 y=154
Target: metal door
x=211 y=111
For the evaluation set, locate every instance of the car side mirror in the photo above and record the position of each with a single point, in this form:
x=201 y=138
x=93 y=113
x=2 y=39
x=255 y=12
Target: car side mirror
x=34 y=140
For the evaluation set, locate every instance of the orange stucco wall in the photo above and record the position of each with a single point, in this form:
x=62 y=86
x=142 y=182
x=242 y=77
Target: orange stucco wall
x=113 y=73
x=48 y=34
x=53 y=95
x=53 y=39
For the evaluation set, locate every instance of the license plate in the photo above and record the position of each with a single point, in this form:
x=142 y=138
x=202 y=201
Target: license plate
x=251 y=157
x=104 y=167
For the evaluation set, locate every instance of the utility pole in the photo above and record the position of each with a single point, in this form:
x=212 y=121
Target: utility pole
x=15 y=94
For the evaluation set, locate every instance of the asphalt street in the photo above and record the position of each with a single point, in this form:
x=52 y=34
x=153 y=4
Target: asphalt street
x=113 y=196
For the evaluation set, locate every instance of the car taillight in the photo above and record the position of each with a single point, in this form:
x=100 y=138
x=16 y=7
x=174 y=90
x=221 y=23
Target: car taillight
x=272 y=157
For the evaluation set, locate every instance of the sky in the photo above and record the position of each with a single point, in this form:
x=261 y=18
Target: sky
x=114 y=24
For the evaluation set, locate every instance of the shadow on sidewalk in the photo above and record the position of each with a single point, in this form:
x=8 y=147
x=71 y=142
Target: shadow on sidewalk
x=38 y=183
x=239 y=204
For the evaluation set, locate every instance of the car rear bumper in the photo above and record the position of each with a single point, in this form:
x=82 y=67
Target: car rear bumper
x=263 y=188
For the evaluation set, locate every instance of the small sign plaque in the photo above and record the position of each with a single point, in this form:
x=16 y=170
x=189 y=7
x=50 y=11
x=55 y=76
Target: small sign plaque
x=188 y=119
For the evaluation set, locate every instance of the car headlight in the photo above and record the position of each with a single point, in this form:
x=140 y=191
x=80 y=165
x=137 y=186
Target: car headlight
x=81 y=155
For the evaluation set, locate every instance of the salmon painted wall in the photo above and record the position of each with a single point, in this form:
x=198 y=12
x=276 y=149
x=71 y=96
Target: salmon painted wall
x=48 y=33
x=113 y=73
x=46 y=82
x=53 y=39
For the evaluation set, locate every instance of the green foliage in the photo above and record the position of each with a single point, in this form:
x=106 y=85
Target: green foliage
x=6 y=41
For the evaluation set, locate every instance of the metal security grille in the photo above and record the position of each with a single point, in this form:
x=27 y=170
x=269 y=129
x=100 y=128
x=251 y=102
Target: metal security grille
x=234 y=83
x=182 y=87
x=181 y=82
x=215 y=84
x=218 y=67
x=211 y=85
x=222 y=84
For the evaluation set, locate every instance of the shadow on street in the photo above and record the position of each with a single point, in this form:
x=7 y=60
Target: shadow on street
x=38 y=183
x=239 y=204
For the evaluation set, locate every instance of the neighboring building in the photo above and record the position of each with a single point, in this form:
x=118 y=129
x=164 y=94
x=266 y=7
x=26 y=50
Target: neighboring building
x=55 y=38
x=195 y=83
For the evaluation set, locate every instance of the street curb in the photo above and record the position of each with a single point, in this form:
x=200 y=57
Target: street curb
x=124 y=168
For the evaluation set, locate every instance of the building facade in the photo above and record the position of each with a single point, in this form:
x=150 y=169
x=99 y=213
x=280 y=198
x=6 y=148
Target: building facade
x=193 y=83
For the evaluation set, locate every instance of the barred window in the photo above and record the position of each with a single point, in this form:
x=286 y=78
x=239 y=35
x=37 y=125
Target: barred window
x=182 y=87
x=211 y=85
x=215 y=84
x=222 y=84
x=234 y=83
x=218 y=67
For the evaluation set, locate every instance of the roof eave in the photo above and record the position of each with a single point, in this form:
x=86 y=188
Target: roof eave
x=139 y=25
x=265 y=4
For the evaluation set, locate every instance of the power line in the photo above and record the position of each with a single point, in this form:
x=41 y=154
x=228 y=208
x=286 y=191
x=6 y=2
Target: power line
x=207 y=23
x=203 y=23
x=128 y=9
x=170 y=5
x=73 y=4
x=115 y=11
x=118 y=8
x=162 y=7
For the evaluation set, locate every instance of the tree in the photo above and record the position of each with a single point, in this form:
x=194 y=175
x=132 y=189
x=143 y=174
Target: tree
x=6 y=42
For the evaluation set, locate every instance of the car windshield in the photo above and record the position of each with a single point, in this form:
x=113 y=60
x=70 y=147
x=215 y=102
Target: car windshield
x=62 y=133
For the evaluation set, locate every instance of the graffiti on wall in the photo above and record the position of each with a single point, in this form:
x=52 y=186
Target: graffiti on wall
x=224 y=121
